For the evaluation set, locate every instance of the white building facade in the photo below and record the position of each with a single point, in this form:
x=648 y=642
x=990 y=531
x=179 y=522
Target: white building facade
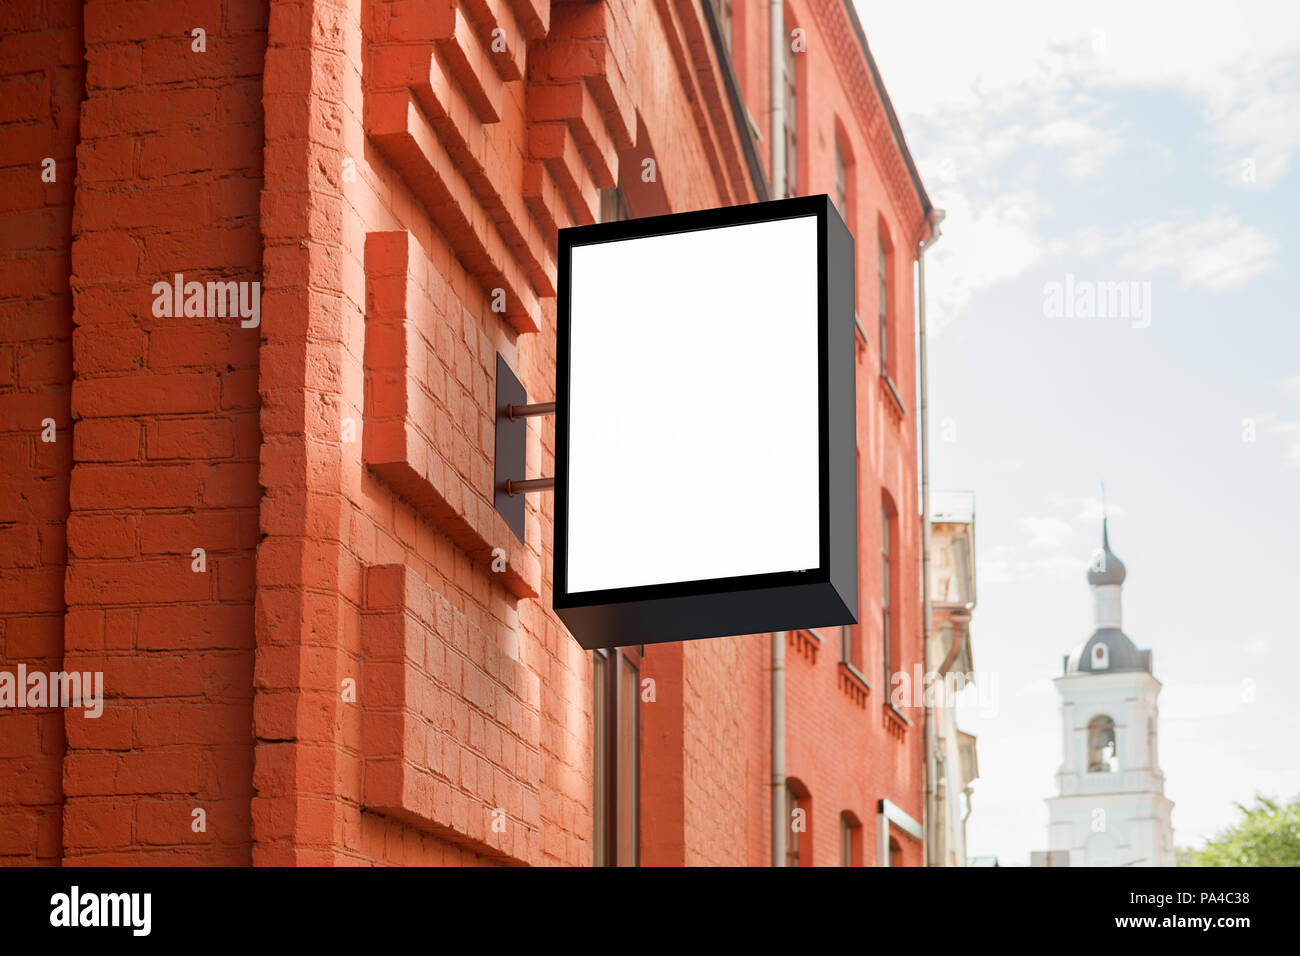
x=954 y=765
x=1110 y=808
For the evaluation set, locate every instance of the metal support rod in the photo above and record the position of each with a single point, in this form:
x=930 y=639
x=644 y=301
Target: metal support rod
x=530 y=411
x=529 y=485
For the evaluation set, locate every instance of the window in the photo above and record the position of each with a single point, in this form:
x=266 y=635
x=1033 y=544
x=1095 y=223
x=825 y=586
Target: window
x=613 y=205
x=790 y=134
x=798 y=803
x=1100 y=657
x=850 y=839
x=895 y=853
x=1103 y=752
x=850 y=634
x=722 y=13
x=841 y=194
x=882 y=276
x=842 y=189
x=887 y=639
x=629 y=759
x=616 y=685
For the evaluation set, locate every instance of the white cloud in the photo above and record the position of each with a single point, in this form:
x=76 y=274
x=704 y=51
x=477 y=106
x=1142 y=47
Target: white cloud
x=1086 y=509
x=1215 y=253
x=982 y=101
x=1004 y=564
x=1238 y=62
x=1248 y=129
x=1088 y=147
x=1199 y=702
x=984 y=243
x=1044 y=531
x=1289 y=433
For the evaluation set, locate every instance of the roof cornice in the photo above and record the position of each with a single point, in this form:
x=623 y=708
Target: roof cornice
x=839 y=24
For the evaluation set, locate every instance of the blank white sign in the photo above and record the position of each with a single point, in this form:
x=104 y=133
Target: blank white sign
x=693 y=413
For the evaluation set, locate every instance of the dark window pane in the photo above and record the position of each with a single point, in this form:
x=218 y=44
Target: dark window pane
x=841 y=183
x=722 y=13
x=613 y=205
x=882 y=271
x=886 y=636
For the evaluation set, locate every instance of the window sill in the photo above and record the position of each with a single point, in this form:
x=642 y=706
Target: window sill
x=895 y=722
x=890 y=389
x=854 y=684
x=805 y=643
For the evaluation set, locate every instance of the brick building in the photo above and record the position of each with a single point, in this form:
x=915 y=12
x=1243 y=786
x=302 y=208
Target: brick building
x=261 y=506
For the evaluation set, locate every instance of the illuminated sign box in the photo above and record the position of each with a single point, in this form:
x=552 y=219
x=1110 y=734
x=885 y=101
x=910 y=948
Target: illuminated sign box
x=705 y=436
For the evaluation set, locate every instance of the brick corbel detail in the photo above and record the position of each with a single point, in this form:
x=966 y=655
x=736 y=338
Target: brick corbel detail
x=450 y=724
x=434 y=95
x=427 y=430
x=580 y=114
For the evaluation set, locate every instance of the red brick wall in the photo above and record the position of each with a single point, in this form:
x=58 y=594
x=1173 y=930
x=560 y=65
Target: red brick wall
x=354 y=678
x=40 y=86
x=728 y=753
x=165 y=443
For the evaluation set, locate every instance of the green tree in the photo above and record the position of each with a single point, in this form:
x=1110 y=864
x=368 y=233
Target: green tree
x=1268 y=834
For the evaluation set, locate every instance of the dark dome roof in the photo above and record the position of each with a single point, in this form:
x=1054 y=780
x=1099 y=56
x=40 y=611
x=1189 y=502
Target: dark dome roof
x=1122 y=654
x=1110 y=570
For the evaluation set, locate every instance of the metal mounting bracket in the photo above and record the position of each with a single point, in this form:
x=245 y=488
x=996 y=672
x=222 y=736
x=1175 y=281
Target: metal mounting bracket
x=509 y=484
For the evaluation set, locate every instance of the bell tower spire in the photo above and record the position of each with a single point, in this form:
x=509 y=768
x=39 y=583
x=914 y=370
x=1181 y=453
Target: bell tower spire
x=1106 y=578
x=1110 y=808
x=1105 y=538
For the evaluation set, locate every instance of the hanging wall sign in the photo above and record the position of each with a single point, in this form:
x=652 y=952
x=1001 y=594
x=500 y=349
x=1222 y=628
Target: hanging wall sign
x=705 y=437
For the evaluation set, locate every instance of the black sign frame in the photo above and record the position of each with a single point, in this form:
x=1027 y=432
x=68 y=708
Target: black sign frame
x=826 y=596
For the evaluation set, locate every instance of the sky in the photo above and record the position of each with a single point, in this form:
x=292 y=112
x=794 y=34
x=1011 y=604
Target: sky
x=1157 y=145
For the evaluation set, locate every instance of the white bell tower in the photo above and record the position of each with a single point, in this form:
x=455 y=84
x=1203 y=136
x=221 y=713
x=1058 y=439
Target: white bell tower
x=1110 y=808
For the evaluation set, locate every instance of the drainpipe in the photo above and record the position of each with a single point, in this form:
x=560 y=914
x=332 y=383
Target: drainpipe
x=780 y=820
x=776 y=51
x=930 y=816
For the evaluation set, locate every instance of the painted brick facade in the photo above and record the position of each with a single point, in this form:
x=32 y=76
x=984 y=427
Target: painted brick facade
x=359 y=666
